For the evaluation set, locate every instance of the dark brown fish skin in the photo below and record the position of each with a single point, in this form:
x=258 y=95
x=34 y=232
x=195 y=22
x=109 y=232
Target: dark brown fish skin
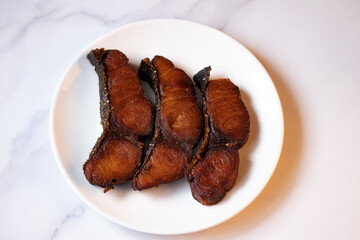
x=201 y=79
x=126 y=115
x=178 y=124
x=214 y=169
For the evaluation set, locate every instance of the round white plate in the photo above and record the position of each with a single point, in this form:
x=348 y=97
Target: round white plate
x=170 y=208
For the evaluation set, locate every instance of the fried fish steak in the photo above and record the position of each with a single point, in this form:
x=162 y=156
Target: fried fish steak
x=214 y=170
x=178 y=125
x=127 y=115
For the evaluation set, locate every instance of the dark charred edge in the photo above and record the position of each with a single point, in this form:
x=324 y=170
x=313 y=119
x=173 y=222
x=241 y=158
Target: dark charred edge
x=147 y=72
x=96 y=57
x=108 y=187
x=201 y=79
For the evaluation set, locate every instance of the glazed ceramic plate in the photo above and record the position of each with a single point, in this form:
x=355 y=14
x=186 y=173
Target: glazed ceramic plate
x=170 y=208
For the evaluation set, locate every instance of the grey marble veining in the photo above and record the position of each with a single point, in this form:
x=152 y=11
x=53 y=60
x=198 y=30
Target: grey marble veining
x=75 y=213
x=311 y=51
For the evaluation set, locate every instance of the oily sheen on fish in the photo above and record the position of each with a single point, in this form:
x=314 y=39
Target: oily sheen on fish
x=127 y=115
x=214 y=169
x=178 y=124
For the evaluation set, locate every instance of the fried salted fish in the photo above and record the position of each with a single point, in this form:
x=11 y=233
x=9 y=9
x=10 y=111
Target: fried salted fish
x=214 y=169
x=127 y=115
x=178 y=125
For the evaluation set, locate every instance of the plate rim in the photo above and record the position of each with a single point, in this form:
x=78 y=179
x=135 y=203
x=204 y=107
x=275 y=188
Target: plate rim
x=64 y=171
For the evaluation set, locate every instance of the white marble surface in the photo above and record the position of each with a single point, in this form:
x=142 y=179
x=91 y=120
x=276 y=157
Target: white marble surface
x=311 y=50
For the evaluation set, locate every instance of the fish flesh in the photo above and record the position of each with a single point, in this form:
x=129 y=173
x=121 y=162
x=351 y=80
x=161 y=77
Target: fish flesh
x=178 y=126
x=214 y=169
x=127 y=117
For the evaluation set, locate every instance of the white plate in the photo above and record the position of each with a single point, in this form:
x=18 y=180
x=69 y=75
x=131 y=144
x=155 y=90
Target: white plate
x=170 y=208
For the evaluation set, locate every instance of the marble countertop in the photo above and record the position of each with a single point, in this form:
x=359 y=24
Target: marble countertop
x=309 y=48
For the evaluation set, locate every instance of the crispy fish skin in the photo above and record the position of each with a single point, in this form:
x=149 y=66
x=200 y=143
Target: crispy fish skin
x=214 y=169
x=126 y=115
x=178 y=124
